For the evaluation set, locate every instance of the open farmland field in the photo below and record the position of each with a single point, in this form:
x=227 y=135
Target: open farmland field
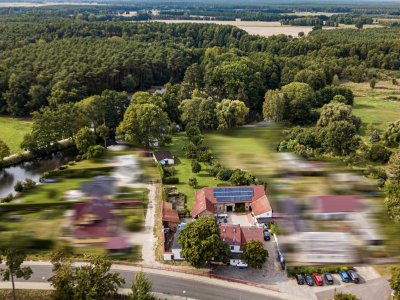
x=12 y=132
x=378 y=106
x=255 y=27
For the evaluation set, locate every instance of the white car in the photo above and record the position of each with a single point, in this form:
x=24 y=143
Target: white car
x=242 y=265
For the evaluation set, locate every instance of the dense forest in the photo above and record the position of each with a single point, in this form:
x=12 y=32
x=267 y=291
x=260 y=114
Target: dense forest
x=57 y=61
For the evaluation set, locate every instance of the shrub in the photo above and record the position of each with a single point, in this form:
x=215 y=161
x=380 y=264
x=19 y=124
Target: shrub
x=18 y=187
x=169 y=171
x=7 y=199
x=213 y=171
x=375 y=172
x=224 y=174
x=64 y=167
x=95 y=152
x=196 y=167
x=133 y=223
x=379 y=153
x=193 y=182
x=170 y=180
x=28 y=185
x=316 y=269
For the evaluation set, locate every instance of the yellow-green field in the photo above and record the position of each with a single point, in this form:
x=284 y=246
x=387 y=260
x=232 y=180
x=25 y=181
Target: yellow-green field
x=252 y=149
x=12 y=132
x=375 y=106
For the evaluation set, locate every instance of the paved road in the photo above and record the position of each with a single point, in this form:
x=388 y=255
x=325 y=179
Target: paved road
x=171 y=285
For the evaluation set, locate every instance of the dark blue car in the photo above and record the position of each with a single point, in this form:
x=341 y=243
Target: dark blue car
x=344 y=276
x=309 y=280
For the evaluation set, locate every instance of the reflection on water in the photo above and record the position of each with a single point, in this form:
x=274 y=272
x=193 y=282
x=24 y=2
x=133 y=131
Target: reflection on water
x=33 y=170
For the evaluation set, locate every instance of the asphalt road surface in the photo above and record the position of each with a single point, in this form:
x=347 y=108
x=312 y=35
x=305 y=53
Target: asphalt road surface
x=171 y=286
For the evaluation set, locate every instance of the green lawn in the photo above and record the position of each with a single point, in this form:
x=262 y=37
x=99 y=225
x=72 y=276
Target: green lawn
x=184 y=170
x=12 y=132
x=252 y=149
x=374 y=106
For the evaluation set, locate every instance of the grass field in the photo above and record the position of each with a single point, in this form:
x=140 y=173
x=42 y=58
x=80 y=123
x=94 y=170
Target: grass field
x=252 y=149
x=12 y=132
x=184 y=171
x=374 y=106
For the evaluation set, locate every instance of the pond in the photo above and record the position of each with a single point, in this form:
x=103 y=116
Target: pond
x=32 y=169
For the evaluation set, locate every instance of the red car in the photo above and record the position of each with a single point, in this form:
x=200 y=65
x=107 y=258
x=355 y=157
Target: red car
x=318 y=279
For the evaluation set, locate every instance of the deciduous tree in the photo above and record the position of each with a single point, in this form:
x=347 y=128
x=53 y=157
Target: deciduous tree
x=143 y=123
x=254 y=254
x=202 y=244
x=393 y=169
x=392 y=134
x=141 y=288
x=274 y=105
x=14 y=259
x=84 y=139
x=395 y=282
x=231 y=113
x=299 y=98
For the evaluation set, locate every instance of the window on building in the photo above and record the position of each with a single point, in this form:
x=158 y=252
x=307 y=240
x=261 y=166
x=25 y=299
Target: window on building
x=234 y=230
x=223 y=229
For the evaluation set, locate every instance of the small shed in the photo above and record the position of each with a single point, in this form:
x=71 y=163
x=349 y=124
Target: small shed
x=164 y=157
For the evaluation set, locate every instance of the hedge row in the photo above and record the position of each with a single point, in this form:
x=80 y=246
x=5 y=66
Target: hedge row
x=292 y=271
x=33 y=206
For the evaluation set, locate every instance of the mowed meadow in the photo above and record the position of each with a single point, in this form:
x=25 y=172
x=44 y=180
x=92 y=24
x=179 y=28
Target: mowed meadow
x=12 y=132
x=378 y=106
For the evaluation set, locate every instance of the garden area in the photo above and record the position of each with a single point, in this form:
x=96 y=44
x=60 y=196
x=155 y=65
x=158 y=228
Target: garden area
x=183 y=170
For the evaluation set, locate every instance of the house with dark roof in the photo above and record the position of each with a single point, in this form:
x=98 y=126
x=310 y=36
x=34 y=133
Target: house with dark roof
x=164 y=157
x=220 y=200
x=336 y=207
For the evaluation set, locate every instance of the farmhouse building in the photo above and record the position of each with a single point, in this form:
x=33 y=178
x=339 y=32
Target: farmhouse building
x=221 y=200
x=336 y=207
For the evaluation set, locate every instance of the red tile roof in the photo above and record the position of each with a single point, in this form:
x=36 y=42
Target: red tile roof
x=205 y=200
x=202 y=203
x=169 y=214
x=337 y=203
x=231 y=234
x=251 y=234
x=261 y=205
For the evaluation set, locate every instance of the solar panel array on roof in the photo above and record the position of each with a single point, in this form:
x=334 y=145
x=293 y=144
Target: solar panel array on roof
x=233 y=194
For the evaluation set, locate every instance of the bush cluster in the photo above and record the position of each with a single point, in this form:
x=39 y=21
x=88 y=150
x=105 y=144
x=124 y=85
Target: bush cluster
x=292 y=271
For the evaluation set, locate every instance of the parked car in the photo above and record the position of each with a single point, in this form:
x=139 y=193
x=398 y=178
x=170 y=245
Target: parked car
x=299 y=279
x=344 y=276
x=354 y=276
x=242 y=265
x=309 y=280
x=328 y=278
x=318 y=279
x=267 y=236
